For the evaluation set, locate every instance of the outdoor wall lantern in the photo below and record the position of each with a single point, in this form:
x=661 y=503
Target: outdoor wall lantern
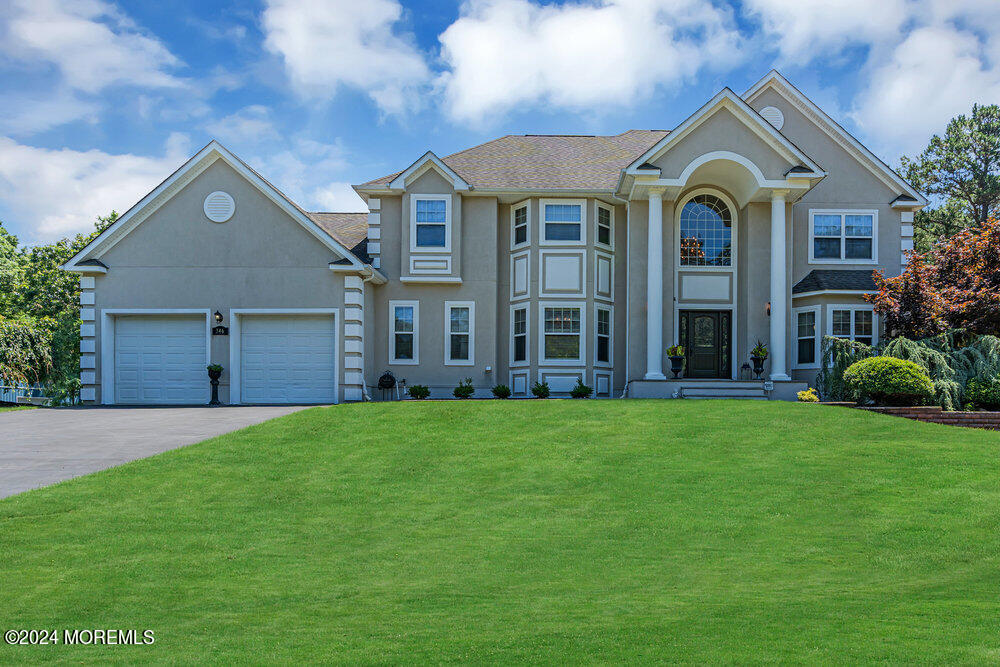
x=218 y=317
x=767 y=309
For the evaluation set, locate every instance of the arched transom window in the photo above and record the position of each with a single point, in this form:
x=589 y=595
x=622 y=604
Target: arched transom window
x=706 y=232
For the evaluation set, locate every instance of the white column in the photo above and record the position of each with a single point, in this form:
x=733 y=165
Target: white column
x=654 y=289
x=779 y=287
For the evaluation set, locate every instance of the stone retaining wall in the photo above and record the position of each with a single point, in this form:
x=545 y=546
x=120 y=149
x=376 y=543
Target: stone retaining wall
x=936 y=415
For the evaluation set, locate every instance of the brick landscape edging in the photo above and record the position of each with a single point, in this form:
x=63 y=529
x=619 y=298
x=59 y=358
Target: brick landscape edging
x=935 y=415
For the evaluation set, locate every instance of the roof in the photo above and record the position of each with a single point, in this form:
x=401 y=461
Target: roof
x=846 y=280
x=544 y=161
x=349 y=229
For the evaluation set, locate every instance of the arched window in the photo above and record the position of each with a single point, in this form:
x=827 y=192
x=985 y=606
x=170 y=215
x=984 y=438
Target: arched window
x=706 y=232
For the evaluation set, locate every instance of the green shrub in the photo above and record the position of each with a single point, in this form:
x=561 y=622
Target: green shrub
x=540 y=389
x=808 y=396
x=501 y=391
x=984 y=393
x=580 y=390
x=464 y=389
x=888 y=381
x=419 y=391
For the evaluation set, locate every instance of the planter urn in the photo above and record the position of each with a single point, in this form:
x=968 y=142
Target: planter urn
x=213 y=376
x=758 y=365
x=676 y=365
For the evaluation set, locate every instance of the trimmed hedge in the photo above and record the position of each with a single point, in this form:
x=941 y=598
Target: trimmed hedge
x=984 y=394
x=888 y=381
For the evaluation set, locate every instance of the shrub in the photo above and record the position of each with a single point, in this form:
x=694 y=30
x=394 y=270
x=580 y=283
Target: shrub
x=540 y=389
x=759 y=350
x=580 y=390
x=464 y=389
x=675 y=351
x=501 y=391
x=808 y=396
x=888 y=381
x=984 y=393
x=419 y=391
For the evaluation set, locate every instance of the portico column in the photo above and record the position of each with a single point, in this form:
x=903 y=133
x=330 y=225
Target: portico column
x=654 y=289
x=779 y=285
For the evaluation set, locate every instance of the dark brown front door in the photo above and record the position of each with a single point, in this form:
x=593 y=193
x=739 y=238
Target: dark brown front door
x=705 y=337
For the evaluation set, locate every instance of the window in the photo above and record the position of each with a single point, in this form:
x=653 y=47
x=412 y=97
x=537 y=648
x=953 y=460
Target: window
x=706 y=229
x=806 y=321
x=561 y=333
x=519 y=225
x=403 y=332
x=604 y=226
x=854 y=323
x=519 y=336
x=430 y=222
x=563 y=222
x=460 y=326
x=602 y=325
x=837 y=237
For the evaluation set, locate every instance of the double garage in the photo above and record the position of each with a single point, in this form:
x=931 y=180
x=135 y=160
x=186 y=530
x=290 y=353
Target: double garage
x=273 y=357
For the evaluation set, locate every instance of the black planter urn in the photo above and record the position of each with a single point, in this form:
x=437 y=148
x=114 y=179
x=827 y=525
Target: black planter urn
x=758 y=365
x=213 y=376
x=676 y=365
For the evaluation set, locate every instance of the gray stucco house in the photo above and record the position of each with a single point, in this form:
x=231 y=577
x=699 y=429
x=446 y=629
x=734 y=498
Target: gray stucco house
x=527 y=258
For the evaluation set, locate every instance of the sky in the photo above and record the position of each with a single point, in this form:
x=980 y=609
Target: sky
x=102 y=100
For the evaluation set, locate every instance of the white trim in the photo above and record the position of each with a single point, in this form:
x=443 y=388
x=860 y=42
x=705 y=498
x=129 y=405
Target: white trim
x=527 y=275
x=611 y=335
x=235 y=335
x=579 y=294
x=830 y=307
x=581 y=360
x=457 y=280
x=843 y=213
x=515 y=372
x=582 y=203
x=733 y=236
x=526 y=205
x=108 y=341
x=604 y=372
x=414 y=248
x=393 y=361
x=448 y=333
x=816 y=310
x=415 y=259
x=598 y=256
x=526 y=307
x=427 y=160
x=829 y=292
x=611 y=229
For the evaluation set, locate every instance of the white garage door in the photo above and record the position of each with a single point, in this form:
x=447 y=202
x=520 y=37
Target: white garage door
x=160 y=359
x=287 y=358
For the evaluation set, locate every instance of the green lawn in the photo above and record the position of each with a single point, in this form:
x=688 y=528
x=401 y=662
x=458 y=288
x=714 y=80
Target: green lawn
x=552 y=531
x=11 y=408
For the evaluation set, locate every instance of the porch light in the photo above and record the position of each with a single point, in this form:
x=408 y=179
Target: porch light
x=767 y=309
x=218 y=317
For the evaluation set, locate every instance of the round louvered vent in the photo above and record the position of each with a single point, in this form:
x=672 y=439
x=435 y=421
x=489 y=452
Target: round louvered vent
x=773 y=116
x=219 y=206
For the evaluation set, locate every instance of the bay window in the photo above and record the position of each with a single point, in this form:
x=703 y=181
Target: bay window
x=602 y=334
x=519 y=226
x=562 y=338
x=562 y=222
x=807 y=338
x=519 y=335
x=605 y=233
x=853 y=322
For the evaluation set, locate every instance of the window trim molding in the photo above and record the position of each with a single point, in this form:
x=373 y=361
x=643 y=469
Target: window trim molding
x=527 y=335
x=598 y=256
x=526 y=204
x=448 y=305
x=611 y=210
x=526 y=254
x=582 y=203
x=446 y=248
x=393 y=304
x=830 y=307
x=843 y=212
x=611 y=336
x=817 y=309
x=581 y=359
x=733 y=234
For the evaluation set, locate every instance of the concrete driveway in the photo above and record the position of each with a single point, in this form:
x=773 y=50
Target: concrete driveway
x=44 y=446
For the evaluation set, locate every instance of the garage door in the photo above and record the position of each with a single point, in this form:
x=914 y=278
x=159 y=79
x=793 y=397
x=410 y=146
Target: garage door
x=160 y=359
x=287 y=359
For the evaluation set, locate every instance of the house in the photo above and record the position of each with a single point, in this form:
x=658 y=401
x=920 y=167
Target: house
x=527 y=258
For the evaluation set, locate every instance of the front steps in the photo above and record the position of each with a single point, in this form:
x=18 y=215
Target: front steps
x=754 y=393
x=754 y=390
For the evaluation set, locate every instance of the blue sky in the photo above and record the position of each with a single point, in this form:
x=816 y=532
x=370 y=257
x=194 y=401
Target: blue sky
x=101 y=100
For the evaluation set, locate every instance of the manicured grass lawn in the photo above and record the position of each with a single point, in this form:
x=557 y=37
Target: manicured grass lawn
x=11 y=408
x=558 y=531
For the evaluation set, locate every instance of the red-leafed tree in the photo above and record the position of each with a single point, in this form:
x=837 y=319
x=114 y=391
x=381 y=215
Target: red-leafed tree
x=954 y=285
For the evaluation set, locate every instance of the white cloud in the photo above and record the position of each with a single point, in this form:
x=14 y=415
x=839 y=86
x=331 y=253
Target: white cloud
x=90 y=42
x=249 y=124
x=25 y=114
x=51 y=193
x=506 y=53
x=339 y=197
x=326 y=44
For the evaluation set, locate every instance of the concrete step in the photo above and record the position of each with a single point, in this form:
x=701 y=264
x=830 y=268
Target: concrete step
x=724 y=392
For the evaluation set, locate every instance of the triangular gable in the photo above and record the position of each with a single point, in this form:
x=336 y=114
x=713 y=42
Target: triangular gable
x=429 y=161
x=745 y=113
x=774 y=81
x=176 y=182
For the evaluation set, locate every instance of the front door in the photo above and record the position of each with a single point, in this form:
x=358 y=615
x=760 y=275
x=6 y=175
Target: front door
x=706 y=340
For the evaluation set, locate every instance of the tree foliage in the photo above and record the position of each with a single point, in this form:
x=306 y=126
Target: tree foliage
x=25 y=351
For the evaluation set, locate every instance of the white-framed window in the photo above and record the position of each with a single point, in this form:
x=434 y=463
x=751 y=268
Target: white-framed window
x=705 y=232
x=520 y=225
x=404 y=332
x=604 y=232
x=843 y=236
x=519 y=335
x=564 y=221
x=460 y=333
x=430 y=223
x=857 y=323
x=561 y=338
x=603 y=324
x=807 y=338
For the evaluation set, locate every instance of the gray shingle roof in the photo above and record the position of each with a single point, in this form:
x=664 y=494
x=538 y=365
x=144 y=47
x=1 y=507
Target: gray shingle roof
x=819 y=280
x=350 y=229
x=555 y=162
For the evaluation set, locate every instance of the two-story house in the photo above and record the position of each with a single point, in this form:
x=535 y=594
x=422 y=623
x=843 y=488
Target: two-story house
x=530 y=258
